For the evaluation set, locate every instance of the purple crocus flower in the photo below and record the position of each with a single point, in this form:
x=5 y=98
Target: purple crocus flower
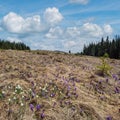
x=26 y=99
x=68 y=88
x=54 y=104
x=75 y=88
x=38 y=107
x=116 y=90
x=67 y=102
x=52 y=95
x=107 y=80
x=73 y=108
x=69 y=95
x=33 y=93
x=81 y=110
x=32 y=83
x=115 y=77
x=32 y=107
x=42 y=115
x=109 y=118
x=76 y=96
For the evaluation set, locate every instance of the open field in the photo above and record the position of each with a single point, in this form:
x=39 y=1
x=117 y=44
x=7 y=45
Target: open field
x=36 y=85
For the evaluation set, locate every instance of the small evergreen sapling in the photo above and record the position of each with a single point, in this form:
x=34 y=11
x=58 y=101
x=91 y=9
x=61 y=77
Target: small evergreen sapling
x=104 y=68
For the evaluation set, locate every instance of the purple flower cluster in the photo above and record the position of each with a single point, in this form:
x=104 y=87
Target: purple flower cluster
x=109 y=118
x=115 y=77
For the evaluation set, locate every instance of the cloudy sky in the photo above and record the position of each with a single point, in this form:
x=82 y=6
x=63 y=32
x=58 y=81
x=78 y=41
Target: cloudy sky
x=58 y=24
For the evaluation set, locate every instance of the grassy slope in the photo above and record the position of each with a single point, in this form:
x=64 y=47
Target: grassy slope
x=19 y=67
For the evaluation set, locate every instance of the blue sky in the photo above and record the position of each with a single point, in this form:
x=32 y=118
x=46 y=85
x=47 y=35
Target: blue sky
x=58 y=24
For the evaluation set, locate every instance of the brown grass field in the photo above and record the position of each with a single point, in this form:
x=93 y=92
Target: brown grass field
x=36 y=85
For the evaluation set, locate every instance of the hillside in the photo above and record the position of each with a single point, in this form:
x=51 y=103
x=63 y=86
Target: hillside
x=57 y=86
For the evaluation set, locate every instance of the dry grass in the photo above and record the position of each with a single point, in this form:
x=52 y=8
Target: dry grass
x=96 y=96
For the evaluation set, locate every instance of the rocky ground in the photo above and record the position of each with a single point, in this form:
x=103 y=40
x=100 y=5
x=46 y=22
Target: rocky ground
x=36 y=85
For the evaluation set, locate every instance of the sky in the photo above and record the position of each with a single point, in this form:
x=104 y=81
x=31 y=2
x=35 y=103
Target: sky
x=59 y=24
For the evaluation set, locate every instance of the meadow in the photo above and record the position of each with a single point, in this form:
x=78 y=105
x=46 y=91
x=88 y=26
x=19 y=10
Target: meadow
x=46 y=85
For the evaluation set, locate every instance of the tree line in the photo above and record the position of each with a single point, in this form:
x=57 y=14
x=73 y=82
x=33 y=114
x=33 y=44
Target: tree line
x=13 y=45
x=111 y=47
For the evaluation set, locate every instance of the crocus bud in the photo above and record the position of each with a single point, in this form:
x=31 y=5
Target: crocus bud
x=32 y=107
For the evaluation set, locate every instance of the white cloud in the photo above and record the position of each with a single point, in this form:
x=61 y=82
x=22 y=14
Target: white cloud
x=54 y=33
x=15 y=23
x=87 y=30
x=32 y=24
x=52 y=16
x=67 y=38
x=108 y=29
x=13 y=39
x=74 y=38
x=93 y=30
x=73 y=32
x=83 y=2
x=70 y=44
